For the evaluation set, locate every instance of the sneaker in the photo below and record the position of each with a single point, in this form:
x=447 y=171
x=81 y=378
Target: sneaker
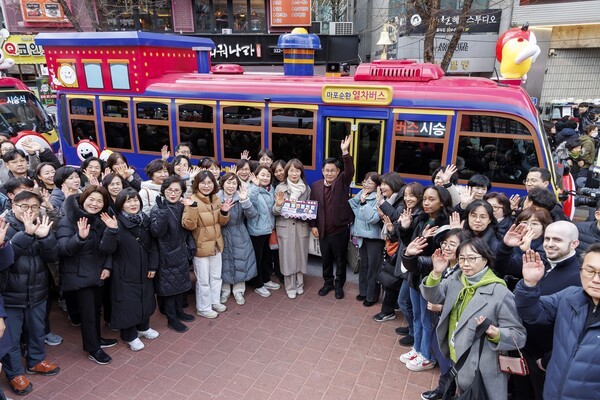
x=52 y=339
x=224 y=297
x=239 y=299
x=299 y=291
x=136 y=344
x=432 y=395
x=325 y=289
x=407 y=357
x=402 y=330
x=208 y=314
x=185 y=317
x=44 y=368
x=62 y=304
x=148 y=334
x=381 y=317
x=291 y=295
x=21 y=385
x=420 y=364
x=407 y=341
x=104 y=343
x=219 y=307
x=100 y=357
x=272 y=285
x=262 y=291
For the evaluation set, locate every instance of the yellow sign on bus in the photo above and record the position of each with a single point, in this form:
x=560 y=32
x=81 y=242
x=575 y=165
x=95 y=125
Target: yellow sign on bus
x=357 y=94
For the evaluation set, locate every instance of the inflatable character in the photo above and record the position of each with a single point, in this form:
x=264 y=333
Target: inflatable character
x=516 y=50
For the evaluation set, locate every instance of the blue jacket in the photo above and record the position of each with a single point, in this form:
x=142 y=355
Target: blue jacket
x=573 y=372
x=367 y=223
x=263 y=200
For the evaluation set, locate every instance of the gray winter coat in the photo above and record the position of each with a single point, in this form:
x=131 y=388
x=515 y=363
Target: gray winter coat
x=493 y=301
x=239 y=261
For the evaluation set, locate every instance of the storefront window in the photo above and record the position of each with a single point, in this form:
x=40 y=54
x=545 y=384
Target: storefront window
x=237 y=15
x=154 y=16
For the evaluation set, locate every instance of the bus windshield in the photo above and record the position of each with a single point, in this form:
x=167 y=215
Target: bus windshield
x=21 y=110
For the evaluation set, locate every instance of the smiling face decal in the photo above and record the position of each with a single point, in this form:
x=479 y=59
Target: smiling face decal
x=67 y=75
x=86 y=148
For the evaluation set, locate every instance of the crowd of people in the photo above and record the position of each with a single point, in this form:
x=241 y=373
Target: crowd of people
x=116 y=247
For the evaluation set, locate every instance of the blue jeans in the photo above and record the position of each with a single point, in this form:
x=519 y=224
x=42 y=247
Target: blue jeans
x=33 y=319
x=444 y=363
x=423 y=324
x=406 y=306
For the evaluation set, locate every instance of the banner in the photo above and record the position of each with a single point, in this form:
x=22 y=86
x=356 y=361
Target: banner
x=291 y=13
x=23 y=50
x=42 y=11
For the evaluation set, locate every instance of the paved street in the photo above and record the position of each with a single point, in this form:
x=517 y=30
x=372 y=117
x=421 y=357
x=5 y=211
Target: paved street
x=275 y=348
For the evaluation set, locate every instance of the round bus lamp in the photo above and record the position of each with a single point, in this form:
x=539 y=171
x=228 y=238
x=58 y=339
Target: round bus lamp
x=30 y=135
x=86 y=149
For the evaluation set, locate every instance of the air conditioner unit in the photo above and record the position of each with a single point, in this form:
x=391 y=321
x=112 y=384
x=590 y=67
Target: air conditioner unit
x=341 y=28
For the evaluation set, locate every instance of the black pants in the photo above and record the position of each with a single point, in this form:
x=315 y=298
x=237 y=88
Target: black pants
x=263 y=260
x=530 y=387
x=106 y=300
x=90 y=303
x=173 y=306
x=72 y=306
x=334 y=248
x=390 y=299
x=276 y=267
x=131 y=333
x=371 y=255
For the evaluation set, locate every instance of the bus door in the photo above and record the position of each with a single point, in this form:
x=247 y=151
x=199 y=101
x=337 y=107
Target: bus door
x=367 y=143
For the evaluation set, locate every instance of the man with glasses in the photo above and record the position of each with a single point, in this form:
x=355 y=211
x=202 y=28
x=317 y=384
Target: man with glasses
x=538 y=178
x=573 y=371
x=561 y=270
x=25 y=289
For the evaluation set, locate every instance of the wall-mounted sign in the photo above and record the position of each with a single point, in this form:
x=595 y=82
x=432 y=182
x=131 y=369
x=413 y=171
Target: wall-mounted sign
x=42 y=11
x=346 y=94
x=478 y=21
x=291 y=13
x=23 y=49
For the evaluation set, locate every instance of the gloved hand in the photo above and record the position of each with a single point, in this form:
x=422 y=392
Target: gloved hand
x=161 y=203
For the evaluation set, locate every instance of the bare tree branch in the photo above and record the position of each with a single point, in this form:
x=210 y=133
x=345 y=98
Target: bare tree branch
x=467 y=4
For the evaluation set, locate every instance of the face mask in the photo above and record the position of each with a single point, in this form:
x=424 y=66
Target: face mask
x=594 y=134
x=574 y=154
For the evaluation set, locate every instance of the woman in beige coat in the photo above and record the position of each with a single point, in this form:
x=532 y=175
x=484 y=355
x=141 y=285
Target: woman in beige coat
x=292 y=233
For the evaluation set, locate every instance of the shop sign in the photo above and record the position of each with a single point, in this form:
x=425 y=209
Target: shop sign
x=42 y=11
x=347 y=94
x=291 y=13
x=23 y=49
x=478 y=21
x=420 y=128
x=46 y=95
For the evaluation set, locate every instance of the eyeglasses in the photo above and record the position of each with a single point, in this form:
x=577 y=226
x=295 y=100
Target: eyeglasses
x=589 y=273
x=174 y=191
x=526 y=181
x=496 y=208
x=206 y=184
x=469 y=259
x=367 y=183
x=448 y=245
x=18 y=161
x=26 y=207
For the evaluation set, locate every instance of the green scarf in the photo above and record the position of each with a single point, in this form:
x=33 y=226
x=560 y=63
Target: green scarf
x=462 y=301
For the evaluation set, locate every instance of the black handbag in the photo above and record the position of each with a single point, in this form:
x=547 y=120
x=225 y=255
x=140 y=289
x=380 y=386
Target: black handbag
x=386 y=274
x=476 y=391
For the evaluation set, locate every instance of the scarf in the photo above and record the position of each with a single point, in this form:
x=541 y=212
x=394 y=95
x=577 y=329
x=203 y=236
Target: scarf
x=133 y=218
x=470 y=286
x=392 y=198
x=296 y=189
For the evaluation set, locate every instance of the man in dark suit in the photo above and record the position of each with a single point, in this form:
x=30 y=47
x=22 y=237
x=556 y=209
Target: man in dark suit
x=334 y=216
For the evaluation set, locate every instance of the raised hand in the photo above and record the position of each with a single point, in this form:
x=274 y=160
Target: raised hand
x=514 y=202
x=363 y=196
x=245 y=155
x=533 y=268
x=83 y=228
x=161 y=202
x=233 y=169
x=389 y=225
x=123 y=171
x=416 y=246
x=3 y=230
x=405 y=218
x=92 y=180
x=243 y=191
x=446 y=175
x=345 y=144
x=466 y=196
x=439 y=262
x=30 y=222
x=165 y=153
x=110 y=222
x=43 y=228
x=455 y=220
x=514 y=236
x=193 y=171
x=106 y=172
x=527 y=239
x=379 y=196
x=254 y=179
x=429 y=231
x=279 y=199
x=226 y=205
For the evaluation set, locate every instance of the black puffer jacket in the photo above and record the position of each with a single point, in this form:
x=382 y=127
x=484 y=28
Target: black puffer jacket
x=176 y=247
x=25 y=283
x=588 y=234
x=82 y=260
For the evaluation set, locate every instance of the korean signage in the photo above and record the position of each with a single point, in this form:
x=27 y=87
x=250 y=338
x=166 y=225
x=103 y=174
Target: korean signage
x=299 y=209
x=479 y=21
x=45 y=93
x=42 y=11
x=23 y=50
x=291 y=13
x=226 y=51
x=428 y=129
x=346 y=94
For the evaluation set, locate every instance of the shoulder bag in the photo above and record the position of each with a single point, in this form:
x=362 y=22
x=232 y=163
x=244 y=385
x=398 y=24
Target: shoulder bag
x=513 y=365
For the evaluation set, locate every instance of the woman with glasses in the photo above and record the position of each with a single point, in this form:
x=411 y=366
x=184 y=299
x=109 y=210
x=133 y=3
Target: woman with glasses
x=176 y=248
x=437 y=207
x=480 y=222
x=157 y=171
x=468 y=297
x=502 y=212
x=204 y=214
x=367 y=229
x=243 y=169
x=87 y=237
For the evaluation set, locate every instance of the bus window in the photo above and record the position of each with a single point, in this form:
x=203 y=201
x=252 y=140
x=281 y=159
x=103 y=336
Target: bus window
x=196 y=126
x=242 y=130
x=152 y=125
x=492 y=124
x=115 y=117
x=337 y=130
x=369 y=151
x=81 y=117
x=417 y=157
x=293 y=134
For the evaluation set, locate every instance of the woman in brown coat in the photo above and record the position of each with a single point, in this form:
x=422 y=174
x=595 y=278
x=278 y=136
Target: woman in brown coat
x=203 y=215
x=292 y=233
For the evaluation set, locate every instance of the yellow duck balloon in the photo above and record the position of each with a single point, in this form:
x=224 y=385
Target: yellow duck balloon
x=516 y=50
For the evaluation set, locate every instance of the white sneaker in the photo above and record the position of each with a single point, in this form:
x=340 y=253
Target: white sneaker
x=136 y=344
x=208 y=314
x=299 y=291
x=411 y=355
x=291 y=295
x=224 y=298
x=219 y=307
x=239 y=299
x=149 y=334
x=262 y=291
x=420 y=364
x=272 y=285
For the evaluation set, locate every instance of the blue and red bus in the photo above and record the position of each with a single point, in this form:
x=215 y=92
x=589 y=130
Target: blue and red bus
x=134 y=92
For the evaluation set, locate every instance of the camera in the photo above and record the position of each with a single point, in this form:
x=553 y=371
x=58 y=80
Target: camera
x=584 y=197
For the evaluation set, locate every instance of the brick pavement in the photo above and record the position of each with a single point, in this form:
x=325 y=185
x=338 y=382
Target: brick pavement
x=275 y=348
